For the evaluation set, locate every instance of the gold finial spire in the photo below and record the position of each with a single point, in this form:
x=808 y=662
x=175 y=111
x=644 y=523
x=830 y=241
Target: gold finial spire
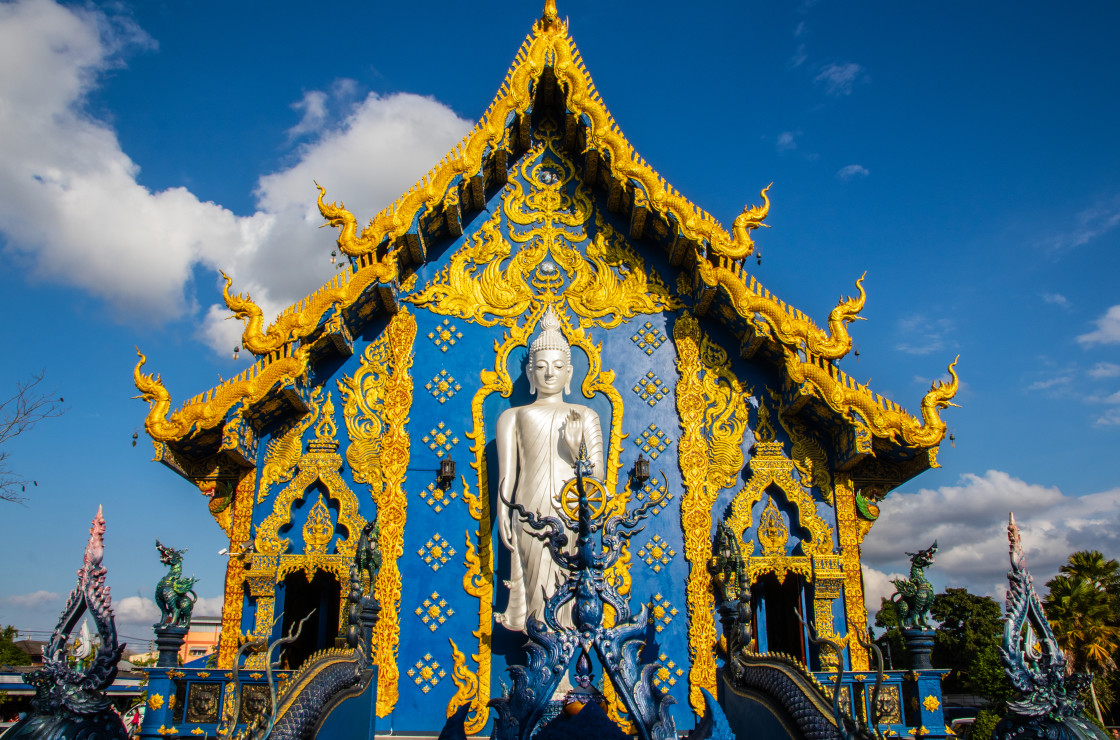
x=325 y=430
x=765 y=431
x=548 y=17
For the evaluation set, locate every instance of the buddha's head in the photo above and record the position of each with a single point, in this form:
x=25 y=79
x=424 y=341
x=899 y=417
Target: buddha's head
x=549 y=368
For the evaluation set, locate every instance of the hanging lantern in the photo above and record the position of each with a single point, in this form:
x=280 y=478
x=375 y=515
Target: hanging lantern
x=446 y=471
x=641 y=469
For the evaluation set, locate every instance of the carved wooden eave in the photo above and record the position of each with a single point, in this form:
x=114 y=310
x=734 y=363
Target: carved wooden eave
x=879 y=443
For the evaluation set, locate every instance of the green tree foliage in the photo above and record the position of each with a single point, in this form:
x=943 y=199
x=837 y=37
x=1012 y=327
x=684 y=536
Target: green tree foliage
x=967 y=641
x=984 y=726
x=10 y=654
x=1082 y=609
x=890 y=642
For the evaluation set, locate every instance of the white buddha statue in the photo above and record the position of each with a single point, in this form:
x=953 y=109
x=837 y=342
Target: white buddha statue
x=538 y=445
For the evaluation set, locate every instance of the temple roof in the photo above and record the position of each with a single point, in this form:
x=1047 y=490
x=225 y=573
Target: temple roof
x=547 y=75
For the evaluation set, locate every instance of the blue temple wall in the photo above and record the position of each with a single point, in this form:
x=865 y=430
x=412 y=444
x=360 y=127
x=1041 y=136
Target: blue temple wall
x=434 y=607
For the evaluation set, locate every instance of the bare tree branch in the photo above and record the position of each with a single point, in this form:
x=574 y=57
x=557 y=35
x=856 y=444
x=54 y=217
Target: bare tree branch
x=18 y=414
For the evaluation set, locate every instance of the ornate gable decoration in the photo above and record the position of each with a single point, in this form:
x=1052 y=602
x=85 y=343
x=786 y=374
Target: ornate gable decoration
x=547 y=71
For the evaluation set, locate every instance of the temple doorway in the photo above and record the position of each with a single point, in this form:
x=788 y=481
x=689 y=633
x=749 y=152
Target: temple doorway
x=322 y=595
x=776 y=604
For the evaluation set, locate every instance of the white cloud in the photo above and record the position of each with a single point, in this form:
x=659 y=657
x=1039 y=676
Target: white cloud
x=787 y=141
x=135 y=615
x=969 y=522
x=1056 y=299
x=1104 y=370
x=374 y=155
x=33 y=600
x=852 y=170
x=316 y=107
x=1050 y=383
x=877 y=586
x=313 y=106
x=1111 y=417
x=72 y=211
x=69 y=201
x=840 y=79
x=1090 y=224
x=136 y=609
x=1107 y=331
x=922 y=335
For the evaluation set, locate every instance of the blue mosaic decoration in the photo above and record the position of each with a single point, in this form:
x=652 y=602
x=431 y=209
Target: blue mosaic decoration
x=648 y=338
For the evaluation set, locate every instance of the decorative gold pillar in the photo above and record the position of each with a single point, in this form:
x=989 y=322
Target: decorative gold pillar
x=235 y=568
x=851 y=534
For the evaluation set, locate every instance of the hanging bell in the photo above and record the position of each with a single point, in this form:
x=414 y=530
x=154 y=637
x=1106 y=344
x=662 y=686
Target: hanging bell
x=334 y=256
x=236 y=349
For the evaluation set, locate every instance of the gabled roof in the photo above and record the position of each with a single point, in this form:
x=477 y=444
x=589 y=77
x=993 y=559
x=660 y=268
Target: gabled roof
x=547 y=74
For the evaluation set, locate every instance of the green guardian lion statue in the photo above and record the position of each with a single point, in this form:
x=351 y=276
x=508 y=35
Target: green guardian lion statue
x=175 y=594
x=915 y=596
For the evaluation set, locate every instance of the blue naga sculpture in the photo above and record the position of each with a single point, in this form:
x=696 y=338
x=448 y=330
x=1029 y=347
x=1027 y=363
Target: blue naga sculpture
x=175 y=595
x=552 y=645
x=1048 y=705
x=915 y=596
x=71 y=702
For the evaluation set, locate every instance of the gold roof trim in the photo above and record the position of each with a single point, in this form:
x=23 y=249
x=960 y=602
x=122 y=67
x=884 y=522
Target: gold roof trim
x=785 y=323
x=209 y=409
x=884 y=418
x=549 y=46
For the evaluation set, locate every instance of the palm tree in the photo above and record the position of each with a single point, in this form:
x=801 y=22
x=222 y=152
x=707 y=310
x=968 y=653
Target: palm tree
x=1080 y=613
x=1103 y=574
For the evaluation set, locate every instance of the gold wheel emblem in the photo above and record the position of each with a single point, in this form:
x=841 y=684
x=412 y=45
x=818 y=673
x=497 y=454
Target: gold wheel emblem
x=596 y=498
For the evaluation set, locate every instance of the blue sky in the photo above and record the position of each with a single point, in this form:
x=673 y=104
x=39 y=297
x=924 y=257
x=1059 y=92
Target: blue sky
x=963 y=154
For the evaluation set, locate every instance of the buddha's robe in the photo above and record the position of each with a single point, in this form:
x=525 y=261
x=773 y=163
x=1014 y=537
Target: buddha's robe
x=531 y=438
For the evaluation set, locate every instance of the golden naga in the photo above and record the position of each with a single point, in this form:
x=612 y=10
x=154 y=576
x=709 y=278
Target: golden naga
x=741 y=245
x=789 y=327
x=209 y=410
x=349 y=241
x=848 y=397
x=152 y=390
x=244 y=309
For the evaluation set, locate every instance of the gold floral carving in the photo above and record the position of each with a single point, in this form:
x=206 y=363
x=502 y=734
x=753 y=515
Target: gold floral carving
x=382 y=388
x=826 y=589
x=239 y=533
x=283 y=452
x=363 y=397
x=769 y=466
x=712 y=405
x=485 y=281
x=808 y=454
x=466 y=682
x=272 y=560
x=209 y=409
x=322 y=463
x=851 y=535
